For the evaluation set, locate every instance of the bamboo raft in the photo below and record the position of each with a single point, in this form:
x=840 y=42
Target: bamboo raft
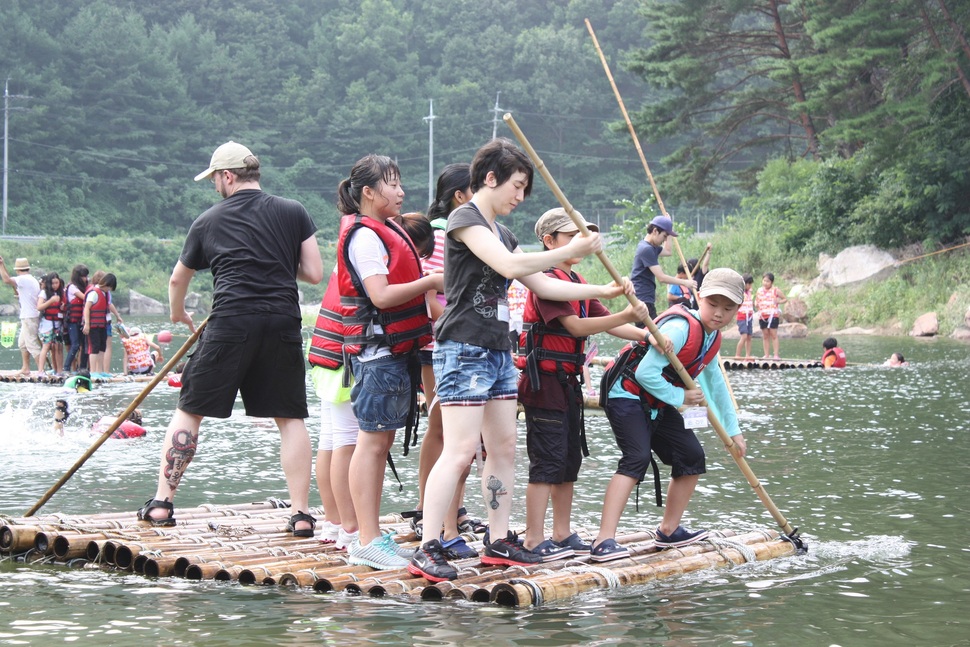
x=248 y=543
x=740 y=363
x=56 y=380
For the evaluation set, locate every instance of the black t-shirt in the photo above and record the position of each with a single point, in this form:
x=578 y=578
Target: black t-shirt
x=251 y=241
x=476 y=292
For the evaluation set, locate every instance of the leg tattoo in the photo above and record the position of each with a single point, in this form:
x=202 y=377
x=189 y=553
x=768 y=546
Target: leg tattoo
x=497 y=489
x=184 y=444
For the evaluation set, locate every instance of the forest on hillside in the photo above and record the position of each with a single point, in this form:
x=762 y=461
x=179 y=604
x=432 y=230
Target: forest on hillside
x=843 y=120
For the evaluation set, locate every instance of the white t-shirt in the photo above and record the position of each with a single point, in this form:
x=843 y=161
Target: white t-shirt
x=28 y=289
x=369 y=257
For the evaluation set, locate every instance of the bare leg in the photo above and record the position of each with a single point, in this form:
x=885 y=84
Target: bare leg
x=463 y=425
x=498 y=476
x=106 y=357
x=617 y=494
x=536 y=504
x=181 y=442
x=367 y=480
x=562 y=510
x=678 y=496
x=340 y=485
x=765 y=340
x=295 y=452
x=432 y=442
x=323 y=472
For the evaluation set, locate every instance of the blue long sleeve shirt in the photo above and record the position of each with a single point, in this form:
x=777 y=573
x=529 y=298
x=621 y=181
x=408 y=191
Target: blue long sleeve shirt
x=710 y=380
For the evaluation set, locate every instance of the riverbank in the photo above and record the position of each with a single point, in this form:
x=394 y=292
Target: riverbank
x=939 y=283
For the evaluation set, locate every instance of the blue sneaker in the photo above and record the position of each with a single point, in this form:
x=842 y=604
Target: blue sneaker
x=551 y=551
x=607 y=551
x=576 y=543
x=457 y=548
x=679 y=537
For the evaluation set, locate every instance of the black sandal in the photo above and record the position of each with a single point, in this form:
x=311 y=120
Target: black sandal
x=301 y=516
x=151 y=504
x=471 y=525
x=415 y=517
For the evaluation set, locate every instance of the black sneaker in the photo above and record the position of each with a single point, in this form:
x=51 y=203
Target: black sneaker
x=509 y=552
x=429 y=562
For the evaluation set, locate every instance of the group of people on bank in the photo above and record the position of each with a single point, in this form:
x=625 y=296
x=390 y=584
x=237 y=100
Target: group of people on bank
x=67 y=328
x=422 y=301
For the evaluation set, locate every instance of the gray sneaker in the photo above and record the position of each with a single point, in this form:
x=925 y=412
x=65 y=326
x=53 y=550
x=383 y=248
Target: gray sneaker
x=381 y=554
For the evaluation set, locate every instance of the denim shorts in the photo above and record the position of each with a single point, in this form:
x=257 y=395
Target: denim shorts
x=746 y=326
x=467 y=374
x=382 y=393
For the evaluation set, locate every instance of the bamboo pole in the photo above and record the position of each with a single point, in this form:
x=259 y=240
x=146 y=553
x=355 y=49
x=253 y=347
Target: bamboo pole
x=653 y=184
x=120 y=419
x=733 y=449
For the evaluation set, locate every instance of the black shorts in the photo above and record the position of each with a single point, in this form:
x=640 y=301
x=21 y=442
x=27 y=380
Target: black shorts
x=97 y=340
x=636 y=435
x=652 y=310
x=259 y=356
x=768 y=323
x=553 y=439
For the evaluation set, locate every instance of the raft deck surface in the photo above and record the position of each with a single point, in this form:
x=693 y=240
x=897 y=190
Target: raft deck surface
x=248 y=543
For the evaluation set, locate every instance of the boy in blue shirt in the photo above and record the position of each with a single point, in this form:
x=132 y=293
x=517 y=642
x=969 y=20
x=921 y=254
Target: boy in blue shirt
x=643 y=395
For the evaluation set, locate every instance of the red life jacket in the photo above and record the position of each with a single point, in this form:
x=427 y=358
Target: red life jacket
x=99 y=310
x=327 y=343
x=75 y=308
x=53 y=311
x=550 y=349
x=624 y=367
x=839 y=357
x=406 y=327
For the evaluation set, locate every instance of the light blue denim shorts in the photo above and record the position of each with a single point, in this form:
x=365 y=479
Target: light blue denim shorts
x=381 y=394
x=467 y=374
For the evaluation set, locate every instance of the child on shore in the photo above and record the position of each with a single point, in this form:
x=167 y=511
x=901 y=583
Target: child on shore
x=643 y=395
x=767 y=303
x=385 y=314
x=475 y=373
x=552 y=354
x=746 y=320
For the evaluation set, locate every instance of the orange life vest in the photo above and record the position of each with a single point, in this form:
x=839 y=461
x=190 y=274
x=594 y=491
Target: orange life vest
x=326 y=345
x=624 y=367
x=550 y=349
x=839 y=357
x=406 y=327
x=767 y=302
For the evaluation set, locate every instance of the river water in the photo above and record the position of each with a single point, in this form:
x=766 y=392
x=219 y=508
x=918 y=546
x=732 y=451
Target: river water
x=871 y=464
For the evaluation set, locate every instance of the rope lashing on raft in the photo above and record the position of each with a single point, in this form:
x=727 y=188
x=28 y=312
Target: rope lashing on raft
x=720 y=543
x=612 y=581
x=534 y=589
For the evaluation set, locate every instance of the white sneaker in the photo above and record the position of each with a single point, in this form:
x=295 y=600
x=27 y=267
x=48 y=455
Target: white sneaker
x=379 y=554
x=347 y=540
x=329 y=532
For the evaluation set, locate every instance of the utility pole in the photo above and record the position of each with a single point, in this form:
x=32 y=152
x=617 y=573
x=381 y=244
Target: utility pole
x=6 y=112
x=6 y=119
x=430 y=119
x=496 y=111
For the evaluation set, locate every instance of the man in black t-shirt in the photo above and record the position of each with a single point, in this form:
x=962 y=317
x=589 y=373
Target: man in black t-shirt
x=257 y=246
